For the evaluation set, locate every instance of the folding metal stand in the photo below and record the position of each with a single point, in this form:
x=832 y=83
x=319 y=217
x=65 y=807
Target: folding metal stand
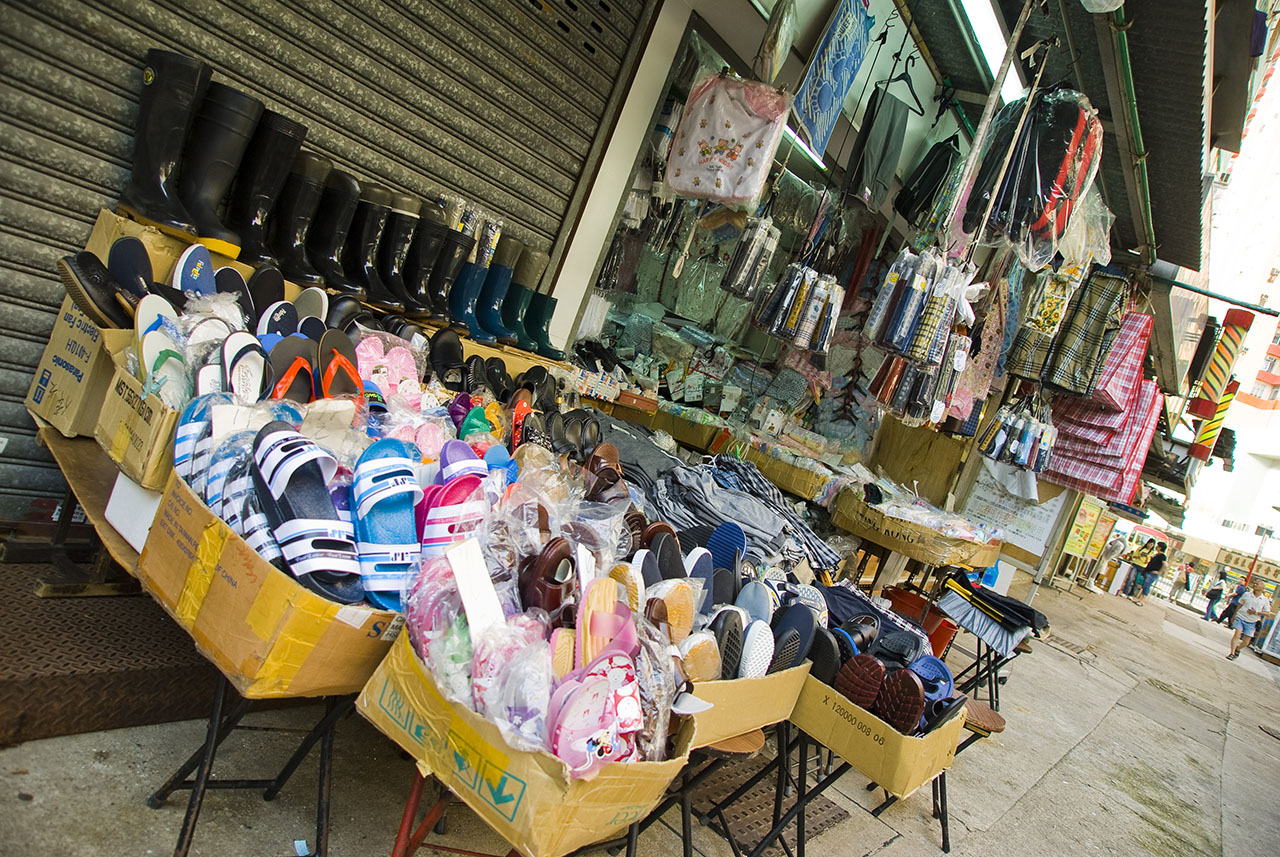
x=939 y=785
x=221 y=724
x=985 y=671
x=105 y=577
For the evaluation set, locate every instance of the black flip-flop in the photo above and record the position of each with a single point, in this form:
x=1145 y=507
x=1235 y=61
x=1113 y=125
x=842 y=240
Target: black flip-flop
x=727 y=628
x=312 y=328
x=824 y=655
x=290 y=479
x=293 y=360
x=446 y=359
x=229 y=281
x=130 y=265
x=336 y=373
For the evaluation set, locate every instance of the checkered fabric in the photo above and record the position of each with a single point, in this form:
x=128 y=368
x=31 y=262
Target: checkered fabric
x=1101 y=473
x=1091 y=325
x=741 y=475
x=1122 y=370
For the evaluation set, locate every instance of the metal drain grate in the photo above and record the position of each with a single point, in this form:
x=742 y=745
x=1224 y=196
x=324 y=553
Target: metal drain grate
x=751 y=817
x=73 y=665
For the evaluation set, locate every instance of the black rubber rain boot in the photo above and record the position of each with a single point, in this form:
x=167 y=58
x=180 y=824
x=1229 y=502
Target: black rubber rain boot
x=494 y=291
x=222 y=130
x=293 y=215
x=262 y=176
x=524 y=285
x=393 y=252
x=425 y=250
x=329 y=230
x=360 y=255
x=172 y=86
x=453 y=255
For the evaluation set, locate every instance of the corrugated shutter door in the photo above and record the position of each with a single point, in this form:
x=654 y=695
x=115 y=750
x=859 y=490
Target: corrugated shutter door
x=502 y=102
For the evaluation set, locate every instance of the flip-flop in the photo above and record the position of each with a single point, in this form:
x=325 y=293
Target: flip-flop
x=209 y=329
x=280 y=318
x=666 y=550
x=154 y=313
x=757 y=599
x=384 y=491
x=724 y=541
x=336 y=373
x=130 y=265
x=312 y=302
x=458 y=459
x=246 y=369
x=312 y=328
x=229 y=281
x=94 y=291
x=860 y=679
x=728 y=629
x=647 y=563
x=293 y=364
x=190 y=438
x=901 y=701
x=230 y=450
x=454 y=514
x=757 y=650
x=447 y=360
x=824 y=656
x=266 y=286
x=290 y=478
x=166 y=369
x=701 y=657
x=193 y=273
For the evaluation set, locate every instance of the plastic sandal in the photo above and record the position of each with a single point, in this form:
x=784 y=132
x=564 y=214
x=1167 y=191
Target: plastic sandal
x=266 y=286
x=229 y=281
x=384 y=492
x=243 y=513
x=293 y=363
x=166 y=369
x=230 y=450
x=458 y=459
x=290 y=478
x=246 y=368
x=336 y=367
x=455 y=511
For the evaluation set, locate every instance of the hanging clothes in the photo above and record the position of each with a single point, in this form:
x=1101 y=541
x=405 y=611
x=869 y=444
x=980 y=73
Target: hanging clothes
x=917 y=196
x=876 y=149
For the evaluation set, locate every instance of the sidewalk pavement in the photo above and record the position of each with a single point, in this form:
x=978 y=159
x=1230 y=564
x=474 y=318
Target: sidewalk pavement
x=1128 y=733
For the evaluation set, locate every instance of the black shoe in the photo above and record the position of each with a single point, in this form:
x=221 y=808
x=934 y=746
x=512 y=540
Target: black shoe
x=329 y=230
x=261 y=178
x=294 y=214
x=475 y=374
x=360 y=255
x=93 y=290
x=447 y=360
x=222 y=130
x=172 y=88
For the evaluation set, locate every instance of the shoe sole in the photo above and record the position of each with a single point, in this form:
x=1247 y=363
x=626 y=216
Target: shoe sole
x=82 y=299
x=134 y=214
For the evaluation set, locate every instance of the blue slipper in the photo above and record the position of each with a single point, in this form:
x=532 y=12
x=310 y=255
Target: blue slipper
x=194 y=272
x=384 y=493
x=192 y=439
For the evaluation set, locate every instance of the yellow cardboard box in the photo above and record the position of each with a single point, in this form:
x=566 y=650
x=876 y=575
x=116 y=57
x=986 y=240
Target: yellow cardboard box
x=900 y=764
x=850 y=513
x=743 y=705
x=693 y=435
x=527 y=798
x=73 y=375
x=269 y=635
x=136 y=431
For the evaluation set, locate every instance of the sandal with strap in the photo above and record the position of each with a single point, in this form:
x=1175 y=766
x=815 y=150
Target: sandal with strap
x=290 y=477
x=455 y=510
x=336 y=361
x=384 y=493
x=246 y=368
x=190 y=439
x=293 y=362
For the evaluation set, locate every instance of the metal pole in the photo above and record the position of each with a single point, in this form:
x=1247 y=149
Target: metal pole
x=988 y=110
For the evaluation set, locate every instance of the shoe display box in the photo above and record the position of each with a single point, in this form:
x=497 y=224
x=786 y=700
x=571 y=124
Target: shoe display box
x=528 y=798
x=135 y=430
x=744 y=705
x=72 y=377
x=270 y=636
x=898 y=763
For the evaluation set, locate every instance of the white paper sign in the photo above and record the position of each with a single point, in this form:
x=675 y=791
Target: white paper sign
x=479 y=599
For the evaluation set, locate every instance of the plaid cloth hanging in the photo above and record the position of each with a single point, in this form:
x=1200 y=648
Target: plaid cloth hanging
x=1122 y=370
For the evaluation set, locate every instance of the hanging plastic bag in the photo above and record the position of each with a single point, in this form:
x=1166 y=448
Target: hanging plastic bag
x=777 y=41
x=726 y=141
x=897 y=333
x=900 y=274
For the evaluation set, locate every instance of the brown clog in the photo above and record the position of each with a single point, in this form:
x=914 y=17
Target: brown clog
x=860 y=679
x=653 y=529
x=604 y=455
x=901 y=701
x=546 y=580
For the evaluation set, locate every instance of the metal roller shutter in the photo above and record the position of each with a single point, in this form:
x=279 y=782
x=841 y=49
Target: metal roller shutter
x=504 y=102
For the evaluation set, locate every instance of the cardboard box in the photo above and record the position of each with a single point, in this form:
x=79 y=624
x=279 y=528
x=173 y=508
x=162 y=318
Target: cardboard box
x=898 y=763
x=131 y=509
x=743 y=705
x=135 y=430
x=266 y=633
x=686 y=432
x=635 y=416
x=527 y=798
x=850 y=512
x=640 y=403
x=72 y=377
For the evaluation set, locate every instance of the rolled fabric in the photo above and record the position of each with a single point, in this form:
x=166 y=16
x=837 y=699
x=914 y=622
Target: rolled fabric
x=1211 y=428
x=1235 y=326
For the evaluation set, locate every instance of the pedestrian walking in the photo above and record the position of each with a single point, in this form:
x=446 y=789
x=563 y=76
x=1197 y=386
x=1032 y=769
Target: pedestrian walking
x=1138 y=559
x=1253 y=605
x=1151 y=574
x=1215 y=595
x=1233 y=604
x=1188 y=569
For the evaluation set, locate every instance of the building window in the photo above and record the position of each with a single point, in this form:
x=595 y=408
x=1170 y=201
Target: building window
x=1275 y=393
x=1269 y=365
x=1261 y=390
x=1235 y=525
x=1275 y=340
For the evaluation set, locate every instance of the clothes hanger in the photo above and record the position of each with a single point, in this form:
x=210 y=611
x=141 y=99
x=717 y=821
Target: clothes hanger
x=905 y=77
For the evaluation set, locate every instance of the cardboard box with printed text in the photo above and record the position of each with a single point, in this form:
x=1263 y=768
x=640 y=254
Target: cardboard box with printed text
x=134 y=429
x=72 y=377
